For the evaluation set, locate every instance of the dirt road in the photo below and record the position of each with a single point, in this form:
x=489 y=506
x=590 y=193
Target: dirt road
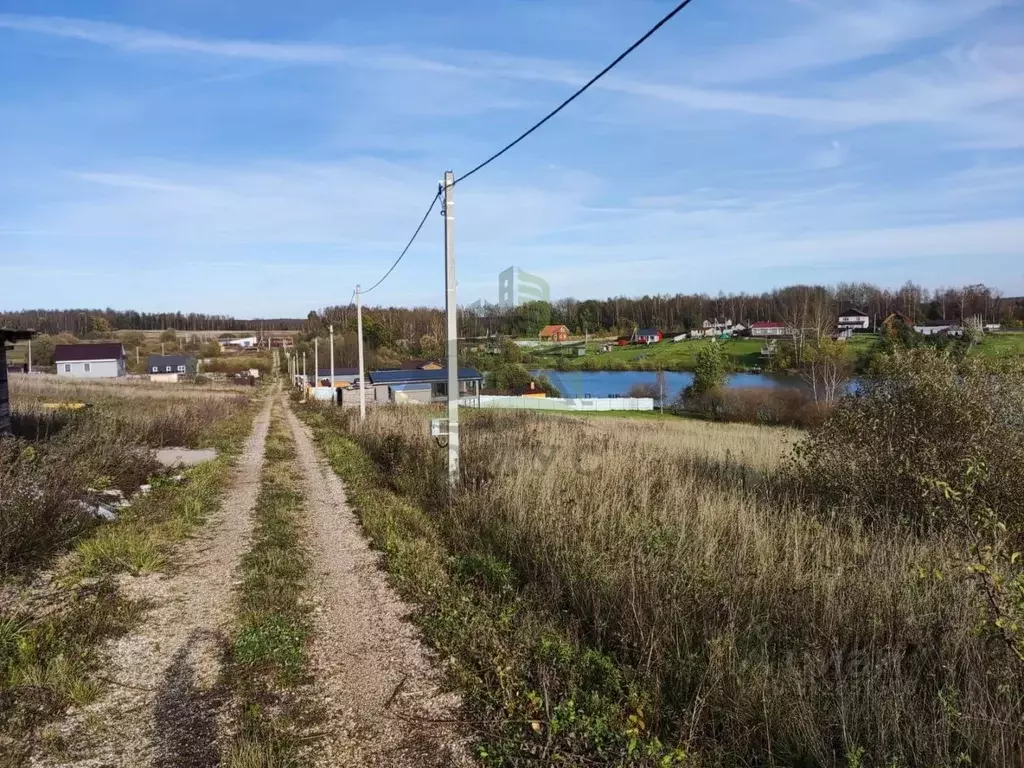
x=375 y=680
x=161 y=704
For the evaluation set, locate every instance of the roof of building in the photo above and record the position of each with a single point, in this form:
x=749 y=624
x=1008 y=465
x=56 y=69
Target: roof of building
x=768 y=324
x=415 y=365
x=162 y=361
x=13 y=334
x=418 y=377
x=648 y=332
x=854 y=313
x=548 y=330
x=71 y=353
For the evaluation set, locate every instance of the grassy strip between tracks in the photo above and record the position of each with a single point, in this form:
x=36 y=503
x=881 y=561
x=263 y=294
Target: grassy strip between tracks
x=267 y=655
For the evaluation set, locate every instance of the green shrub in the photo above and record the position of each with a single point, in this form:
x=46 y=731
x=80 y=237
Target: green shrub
x=917 y=418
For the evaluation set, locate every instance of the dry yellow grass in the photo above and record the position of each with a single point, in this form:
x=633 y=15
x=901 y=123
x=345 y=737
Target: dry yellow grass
x=769 y=631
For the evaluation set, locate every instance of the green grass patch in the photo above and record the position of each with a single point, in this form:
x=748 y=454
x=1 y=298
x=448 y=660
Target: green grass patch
x=144 y=536
x=1002 y=345
x=536 y=691
x=267 y=658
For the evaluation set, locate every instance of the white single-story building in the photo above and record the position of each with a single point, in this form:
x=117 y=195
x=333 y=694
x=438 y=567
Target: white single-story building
x=90 y=361
x=425 y=386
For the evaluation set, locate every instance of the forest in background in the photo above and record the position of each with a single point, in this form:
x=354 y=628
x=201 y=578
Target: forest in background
x=385 y=327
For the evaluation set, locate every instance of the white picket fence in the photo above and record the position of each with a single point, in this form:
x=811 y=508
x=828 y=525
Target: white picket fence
x=561 y=403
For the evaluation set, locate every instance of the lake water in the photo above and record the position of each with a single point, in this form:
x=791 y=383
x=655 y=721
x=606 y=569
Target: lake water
x=609 y=383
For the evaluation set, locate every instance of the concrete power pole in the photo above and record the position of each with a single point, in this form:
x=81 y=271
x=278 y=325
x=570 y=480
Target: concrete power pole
x=334 y=389
x=30 y=355
x=316 y=361
x=304 y=379
x=359 y=333
x=453 y=329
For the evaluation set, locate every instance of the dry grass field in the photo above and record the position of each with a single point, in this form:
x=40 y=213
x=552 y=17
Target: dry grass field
x=753 y=626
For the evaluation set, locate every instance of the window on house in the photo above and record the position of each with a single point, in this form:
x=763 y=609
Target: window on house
x=67 y=367
x=440 y=389
x=167 y=369
x=87 y=367
x=156 y=369
x=181 y=369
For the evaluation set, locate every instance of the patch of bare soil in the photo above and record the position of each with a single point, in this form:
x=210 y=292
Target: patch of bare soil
x=378 y=686
x=162 y=703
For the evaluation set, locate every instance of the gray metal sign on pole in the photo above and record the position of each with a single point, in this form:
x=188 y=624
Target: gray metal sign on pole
x=453 y=328
x=359 y=333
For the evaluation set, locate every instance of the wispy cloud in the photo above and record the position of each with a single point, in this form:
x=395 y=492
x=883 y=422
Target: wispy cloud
x=140 y=40
x=839 y=33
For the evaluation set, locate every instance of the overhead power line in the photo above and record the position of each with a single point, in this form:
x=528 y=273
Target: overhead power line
x=407 y=245
x=580 y=92
x=667 y=18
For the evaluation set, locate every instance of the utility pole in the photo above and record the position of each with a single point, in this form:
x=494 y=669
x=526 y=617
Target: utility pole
x=453 y=328
x=359 y=332
x=30 y=355
x=334 y=389
x=316 y=361
x=304 y=379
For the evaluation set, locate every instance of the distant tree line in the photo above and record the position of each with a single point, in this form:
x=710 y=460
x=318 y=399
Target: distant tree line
x=814 y=308
x=401 y=331
x=93 y=323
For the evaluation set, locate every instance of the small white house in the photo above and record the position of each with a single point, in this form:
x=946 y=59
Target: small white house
x=90 y=361
x=854 y=319
x=716 y=325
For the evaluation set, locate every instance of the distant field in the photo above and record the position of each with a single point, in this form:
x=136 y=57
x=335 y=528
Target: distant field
x=676 y=356
x=740 y=353
x=1002 y=345
x=207 y=335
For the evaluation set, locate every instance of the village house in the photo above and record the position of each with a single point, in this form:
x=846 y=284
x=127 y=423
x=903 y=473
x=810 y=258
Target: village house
x=647 y=336
x=170 y=367
x=554 y=333
x=104 y=360
x=716 y=326
x=768 y=328
x=854 y=320
x=421 y=386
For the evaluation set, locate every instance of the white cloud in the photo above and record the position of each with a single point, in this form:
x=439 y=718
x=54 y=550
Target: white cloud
x=841 y=32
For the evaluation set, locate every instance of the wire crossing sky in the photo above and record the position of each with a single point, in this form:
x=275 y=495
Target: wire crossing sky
x=255 y=159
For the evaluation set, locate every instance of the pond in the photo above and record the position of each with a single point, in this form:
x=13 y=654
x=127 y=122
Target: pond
x=610 y=383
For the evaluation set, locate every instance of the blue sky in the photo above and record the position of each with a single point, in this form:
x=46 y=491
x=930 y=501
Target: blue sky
x=261 y=158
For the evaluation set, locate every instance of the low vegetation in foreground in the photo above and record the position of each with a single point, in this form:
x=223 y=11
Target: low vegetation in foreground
x=267 y=654
x=654 y=592
x=58 y=594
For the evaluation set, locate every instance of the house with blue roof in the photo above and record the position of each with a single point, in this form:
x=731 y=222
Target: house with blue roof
x=423 y=385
